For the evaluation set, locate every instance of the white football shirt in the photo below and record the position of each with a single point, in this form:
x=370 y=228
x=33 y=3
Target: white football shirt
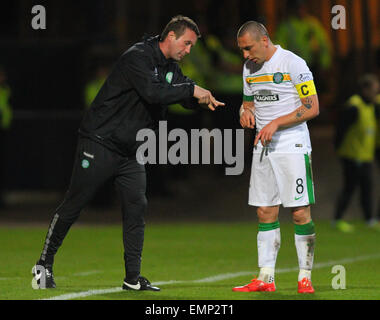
x=271 y=86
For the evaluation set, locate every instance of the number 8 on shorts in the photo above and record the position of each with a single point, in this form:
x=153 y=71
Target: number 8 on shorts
x=283 y=178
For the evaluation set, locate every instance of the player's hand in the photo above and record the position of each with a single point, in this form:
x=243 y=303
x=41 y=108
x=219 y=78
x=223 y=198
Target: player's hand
x=265 y=135
x=205 y=97
x=247 y=119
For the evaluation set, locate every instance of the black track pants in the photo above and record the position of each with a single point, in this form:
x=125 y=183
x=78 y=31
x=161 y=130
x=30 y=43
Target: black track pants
x=94 y=165
x=355 y=175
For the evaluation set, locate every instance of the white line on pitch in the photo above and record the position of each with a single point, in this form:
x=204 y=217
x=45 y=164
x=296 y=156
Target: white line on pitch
x=80 y=274
x=87 y=273
x=83 y=294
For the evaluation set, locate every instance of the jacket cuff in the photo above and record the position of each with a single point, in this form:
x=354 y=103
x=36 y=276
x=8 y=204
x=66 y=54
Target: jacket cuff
x=191 y=90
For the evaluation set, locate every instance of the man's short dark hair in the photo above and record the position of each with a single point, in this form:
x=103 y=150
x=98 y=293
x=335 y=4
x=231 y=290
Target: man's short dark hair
x=254 y=28
x=179 y=24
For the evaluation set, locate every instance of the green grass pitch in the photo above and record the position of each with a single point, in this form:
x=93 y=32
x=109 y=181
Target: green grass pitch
x=189 y=261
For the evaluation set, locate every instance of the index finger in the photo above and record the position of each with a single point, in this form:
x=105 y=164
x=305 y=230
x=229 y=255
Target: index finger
x=252 y=122
x=211 y=107
x=257 y=138
x=215 y=102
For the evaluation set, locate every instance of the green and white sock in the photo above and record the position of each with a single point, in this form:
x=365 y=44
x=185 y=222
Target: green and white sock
x=268 y=245
x=305 y=244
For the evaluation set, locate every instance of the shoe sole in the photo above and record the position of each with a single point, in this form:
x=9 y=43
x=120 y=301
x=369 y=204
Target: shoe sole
x=303 y=292
x=141 y=289
x=247 y=290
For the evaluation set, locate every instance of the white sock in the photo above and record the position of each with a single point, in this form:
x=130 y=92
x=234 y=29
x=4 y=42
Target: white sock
x=268 y=245
x=305 y=251
x=266 y=275
x=304 y=274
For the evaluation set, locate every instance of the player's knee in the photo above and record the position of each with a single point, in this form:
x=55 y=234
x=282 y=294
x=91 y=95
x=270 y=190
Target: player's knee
x=267 y=214
x=301 y=215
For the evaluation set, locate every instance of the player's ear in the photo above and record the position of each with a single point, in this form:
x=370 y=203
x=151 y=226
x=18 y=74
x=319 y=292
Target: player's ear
x=171 y=35
x=265 y=39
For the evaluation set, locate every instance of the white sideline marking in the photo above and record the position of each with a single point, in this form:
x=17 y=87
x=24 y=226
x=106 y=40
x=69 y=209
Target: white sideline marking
x=11 y=278
x=87 y=273
x=79 y=274
x=83 y=294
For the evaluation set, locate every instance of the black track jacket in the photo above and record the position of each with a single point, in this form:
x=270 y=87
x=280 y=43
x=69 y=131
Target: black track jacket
x=135 y=96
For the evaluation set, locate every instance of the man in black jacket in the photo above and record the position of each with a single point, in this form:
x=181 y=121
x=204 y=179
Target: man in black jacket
x=135 y=96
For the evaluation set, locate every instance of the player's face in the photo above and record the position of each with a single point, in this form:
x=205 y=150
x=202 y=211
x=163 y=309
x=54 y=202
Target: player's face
x=253 y=49
x=181 y=47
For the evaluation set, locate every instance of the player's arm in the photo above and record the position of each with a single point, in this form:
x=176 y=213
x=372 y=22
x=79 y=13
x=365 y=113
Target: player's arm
x=247 y=114
x=349 y=115
x=307 y=111
x=247 y=109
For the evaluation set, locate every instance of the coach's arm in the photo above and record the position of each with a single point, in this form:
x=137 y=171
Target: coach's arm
x=201 y=97
x=138 y=67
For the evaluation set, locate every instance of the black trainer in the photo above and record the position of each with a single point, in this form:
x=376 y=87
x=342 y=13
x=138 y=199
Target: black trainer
x=140 y=284
x=43 y=277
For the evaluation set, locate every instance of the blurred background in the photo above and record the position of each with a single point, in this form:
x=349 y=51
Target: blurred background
x=49 y=77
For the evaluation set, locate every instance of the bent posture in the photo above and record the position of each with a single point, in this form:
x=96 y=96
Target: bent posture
x=135 y=96
x=279 y=97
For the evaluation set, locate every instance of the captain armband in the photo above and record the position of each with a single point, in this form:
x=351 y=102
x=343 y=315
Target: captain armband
x=306 y=89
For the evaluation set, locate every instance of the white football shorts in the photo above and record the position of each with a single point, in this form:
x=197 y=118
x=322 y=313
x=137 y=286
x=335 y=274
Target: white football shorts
x=281 y=178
